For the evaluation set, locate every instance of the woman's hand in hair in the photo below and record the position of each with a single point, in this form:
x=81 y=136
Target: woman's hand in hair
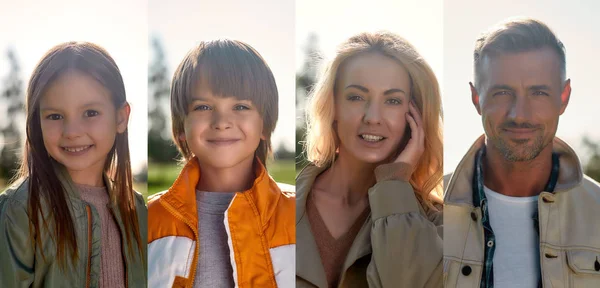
x=416 y=144
x=404 y=165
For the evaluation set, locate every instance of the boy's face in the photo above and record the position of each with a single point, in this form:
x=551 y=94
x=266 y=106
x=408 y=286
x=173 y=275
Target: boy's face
x=221 y=131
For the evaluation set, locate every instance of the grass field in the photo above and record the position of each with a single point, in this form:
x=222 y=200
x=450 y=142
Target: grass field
x=161 y=176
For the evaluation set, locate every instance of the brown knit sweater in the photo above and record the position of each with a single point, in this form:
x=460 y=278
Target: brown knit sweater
x=333 y=251
x=112 y=270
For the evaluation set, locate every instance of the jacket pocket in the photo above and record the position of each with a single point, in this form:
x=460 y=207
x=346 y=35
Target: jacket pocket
x=461 y=275
x=584 y=267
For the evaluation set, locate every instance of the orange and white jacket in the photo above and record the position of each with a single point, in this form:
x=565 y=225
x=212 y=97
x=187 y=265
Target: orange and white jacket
x=260 y=229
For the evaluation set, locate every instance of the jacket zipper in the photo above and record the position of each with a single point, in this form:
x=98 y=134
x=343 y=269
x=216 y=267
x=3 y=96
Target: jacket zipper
x=180 y=218
x=89 y=262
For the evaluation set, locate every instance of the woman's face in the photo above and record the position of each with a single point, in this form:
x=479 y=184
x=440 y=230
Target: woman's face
x=371 y=102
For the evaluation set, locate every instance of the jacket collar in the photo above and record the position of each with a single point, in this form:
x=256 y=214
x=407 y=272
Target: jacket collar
x=308 y=261
x=71 y=189
x=182 y=194
x=460 y=188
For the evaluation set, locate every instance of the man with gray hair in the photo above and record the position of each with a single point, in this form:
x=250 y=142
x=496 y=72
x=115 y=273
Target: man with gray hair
x=519 y=212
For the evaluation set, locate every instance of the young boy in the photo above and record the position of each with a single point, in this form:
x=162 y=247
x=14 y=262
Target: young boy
x=224 y=222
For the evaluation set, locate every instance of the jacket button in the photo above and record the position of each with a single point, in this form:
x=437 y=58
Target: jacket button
x=474 y=216
x=466 y=270
x=597 y=265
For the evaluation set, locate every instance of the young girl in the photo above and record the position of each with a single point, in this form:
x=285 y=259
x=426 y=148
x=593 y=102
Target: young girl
x=72 y=218
x=224 y=222
x=368 y=209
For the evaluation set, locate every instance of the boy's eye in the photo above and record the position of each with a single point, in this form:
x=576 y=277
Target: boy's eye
x=394 y=101
x=201 y=107
x=91 y=113
x=54 y=117
x=241 y=107
x=354 y=98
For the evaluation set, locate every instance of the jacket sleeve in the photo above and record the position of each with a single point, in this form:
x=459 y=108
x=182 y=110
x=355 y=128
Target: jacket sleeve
x=16 y=248
x=407 y=249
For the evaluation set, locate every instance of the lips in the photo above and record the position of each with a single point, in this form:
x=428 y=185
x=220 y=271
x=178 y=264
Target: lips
x=76 y=149
x=223 y=141
x=371 y=137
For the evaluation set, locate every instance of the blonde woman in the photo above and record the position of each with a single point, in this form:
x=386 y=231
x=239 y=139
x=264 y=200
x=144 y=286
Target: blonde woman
x=368 y=208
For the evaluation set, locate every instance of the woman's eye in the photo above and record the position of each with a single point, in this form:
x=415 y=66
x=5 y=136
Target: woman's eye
x=54 y=117
x=201 y=108
x=394 y=101
x=241 y=107
x=354 y=98
x=91 y=113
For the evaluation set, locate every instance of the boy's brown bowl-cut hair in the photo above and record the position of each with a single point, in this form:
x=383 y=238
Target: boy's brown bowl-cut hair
x=229 y=68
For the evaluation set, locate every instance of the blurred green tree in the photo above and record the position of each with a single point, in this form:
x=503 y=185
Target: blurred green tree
x=592 y=168
x=160 y=147
x=14 y=96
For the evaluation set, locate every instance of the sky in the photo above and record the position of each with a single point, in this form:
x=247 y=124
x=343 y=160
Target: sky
x=278 y=29
x=266 y=25
x=575 y=25
x=121 y=27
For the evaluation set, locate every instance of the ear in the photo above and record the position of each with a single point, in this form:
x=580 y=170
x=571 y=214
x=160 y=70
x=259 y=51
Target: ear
x=123 y=117
x=475 y=98
x=565 y=96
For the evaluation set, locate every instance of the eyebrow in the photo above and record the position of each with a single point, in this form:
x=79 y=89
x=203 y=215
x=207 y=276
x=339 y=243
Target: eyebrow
x=91 y=104
x=501 y=87
x=539 y=87
x=365 y=90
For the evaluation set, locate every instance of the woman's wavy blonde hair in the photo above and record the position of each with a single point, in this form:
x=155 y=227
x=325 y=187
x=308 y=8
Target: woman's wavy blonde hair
x=321 y=140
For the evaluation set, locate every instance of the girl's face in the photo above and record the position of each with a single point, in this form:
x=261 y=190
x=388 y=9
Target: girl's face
x=79 y=125
x=371 y=102
x=222 y=131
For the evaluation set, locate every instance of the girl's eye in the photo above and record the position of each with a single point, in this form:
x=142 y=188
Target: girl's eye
x=354 y=98
x=394 y=101
x=241 y=107
x=91 y=113
x=54 y=117
x=201 y=108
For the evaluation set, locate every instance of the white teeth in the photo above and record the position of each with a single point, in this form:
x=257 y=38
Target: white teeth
x=76 y=149
x=371 y=138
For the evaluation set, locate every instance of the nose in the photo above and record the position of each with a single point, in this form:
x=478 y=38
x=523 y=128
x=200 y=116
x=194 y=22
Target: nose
x=221 y=120
x=372 y=113
x=72 y=129
x=521 y=109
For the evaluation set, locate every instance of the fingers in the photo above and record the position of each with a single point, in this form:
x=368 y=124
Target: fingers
x=415 y=113
x=414 y=128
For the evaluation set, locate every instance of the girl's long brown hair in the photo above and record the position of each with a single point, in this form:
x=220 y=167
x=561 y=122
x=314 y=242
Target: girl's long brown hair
x=44 y=184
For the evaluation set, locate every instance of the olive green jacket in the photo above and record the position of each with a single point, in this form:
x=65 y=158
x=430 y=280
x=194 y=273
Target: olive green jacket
x=21 y=263
x=399 y=245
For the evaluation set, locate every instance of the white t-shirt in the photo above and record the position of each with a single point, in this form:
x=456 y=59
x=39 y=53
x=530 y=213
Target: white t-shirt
x=517 y=252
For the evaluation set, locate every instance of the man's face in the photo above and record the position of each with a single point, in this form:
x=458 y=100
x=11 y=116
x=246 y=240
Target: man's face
x=520 y=98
